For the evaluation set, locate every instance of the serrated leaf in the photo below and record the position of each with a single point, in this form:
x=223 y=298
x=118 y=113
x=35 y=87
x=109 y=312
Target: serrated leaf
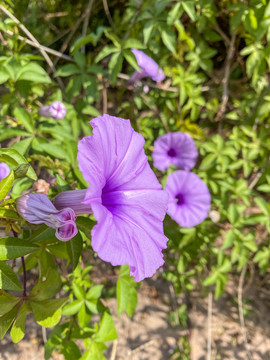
x=11 y=248
x=8 y=279
x=48 y=312
x=6 y=185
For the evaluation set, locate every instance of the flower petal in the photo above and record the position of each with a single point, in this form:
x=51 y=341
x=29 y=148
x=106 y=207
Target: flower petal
x=125 y=197
x=196 y=198
x=176 y=148
x=133 y=220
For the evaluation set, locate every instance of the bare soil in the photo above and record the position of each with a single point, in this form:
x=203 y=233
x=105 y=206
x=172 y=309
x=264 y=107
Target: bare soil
x=148 y=334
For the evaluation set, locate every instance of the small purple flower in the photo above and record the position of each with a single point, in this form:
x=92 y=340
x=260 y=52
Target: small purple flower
x=124 y=196
x=4 y=170
x=176 y=148
x=149 y=68
x=189 y=198
x=37 y=209
x=56 y=110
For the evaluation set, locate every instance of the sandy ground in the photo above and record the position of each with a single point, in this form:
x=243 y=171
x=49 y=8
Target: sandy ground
x=148 y=336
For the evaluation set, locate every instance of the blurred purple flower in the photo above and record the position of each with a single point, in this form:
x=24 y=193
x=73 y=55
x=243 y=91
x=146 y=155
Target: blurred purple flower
x=124 y=196
x=176 y=148
x=4 y=170
x=56 y=110
x=149 y=68
x=37 y=209
x=189 y=198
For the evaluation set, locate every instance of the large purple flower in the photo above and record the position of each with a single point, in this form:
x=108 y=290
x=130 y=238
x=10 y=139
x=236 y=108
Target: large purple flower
x=4 y=170
x=56 y=110
x=189 y=198
x=149 y=68
x=176 y=148
x=38 y=209
x=124 y=196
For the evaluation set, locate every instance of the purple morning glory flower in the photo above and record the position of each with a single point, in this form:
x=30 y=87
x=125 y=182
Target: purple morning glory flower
x=149 y=68
x=4 y=170
x=176 y=148
x=37 y=209
x=124 y=196
x=189 y=198
x=56 y=110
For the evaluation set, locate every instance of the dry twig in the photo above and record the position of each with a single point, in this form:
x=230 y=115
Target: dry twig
x=209 y=326
x=225 y=95
x=86 y=21
x=34 y=40
x=107 y=11
x=240 y=309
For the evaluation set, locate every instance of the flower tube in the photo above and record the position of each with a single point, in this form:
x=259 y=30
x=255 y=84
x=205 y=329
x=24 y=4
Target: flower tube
x=36 y=208
x=148 y=68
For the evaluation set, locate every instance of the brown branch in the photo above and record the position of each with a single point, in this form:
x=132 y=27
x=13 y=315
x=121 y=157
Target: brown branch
x=225 y=95
x=107 y=12
x=86 y=21
x=240 y=309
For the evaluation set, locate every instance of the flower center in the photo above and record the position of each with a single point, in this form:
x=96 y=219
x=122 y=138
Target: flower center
x=180 y=200
x=171 y=152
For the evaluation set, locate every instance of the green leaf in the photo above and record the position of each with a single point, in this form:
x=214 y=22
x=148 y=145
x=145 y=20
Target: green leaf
x=12 y=157
x=263 y=205
x=7 y=302
x=49 y=287
x=147 y=30
x=168 y=38
x=6 y=185
x=133 y=43
x=130 y=57
x=8 y=279
x=122 y=292
x=208 y=162
x=70 y=350
x=35 y=73
x=67 y=70
x=11 y=248
x=74 y=249
x=189 y=9
x=24 y=118
x=85 y=225
x=9 y=214
x=18 y=328
x=73 y=307
x=132 y=302
x=107 y=330
x=6 y=321
x=23 y=145
x=175 y=13
x=106 y=51
x=48 y=312
x=94 y=292
x=115 y=66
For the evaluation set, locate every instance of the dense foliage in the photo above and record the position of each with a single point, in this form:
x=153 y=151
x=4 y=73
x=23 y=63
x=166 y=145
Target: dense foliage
x=216 y=56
